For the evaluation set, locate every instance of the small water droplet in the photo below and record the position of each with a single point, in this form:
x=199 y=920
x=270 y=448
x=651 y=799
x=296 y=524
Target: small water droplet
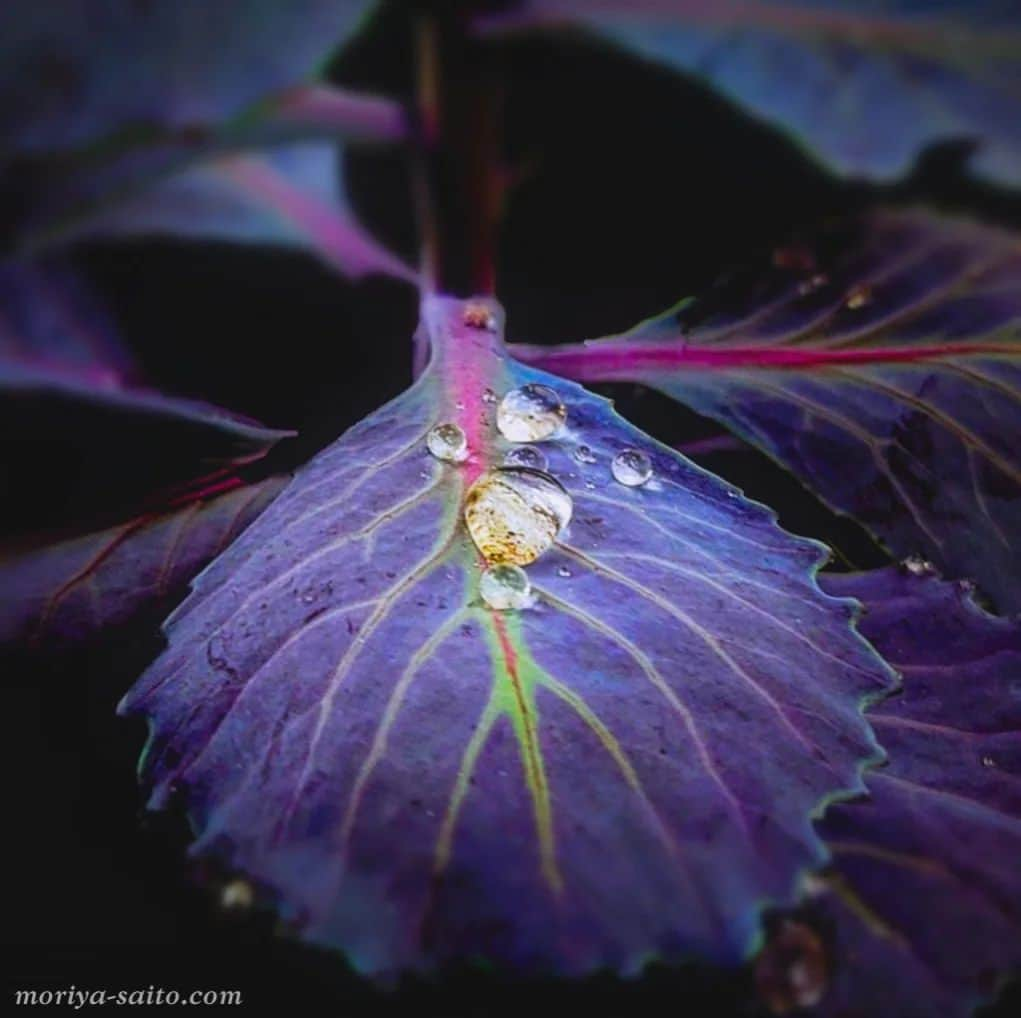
x=809 y=286
x=515 y=514
x=459 y=405
x=988 y=761
x=918 y=566
x=308 y=597
x=590 y=486
x=563 y=571
x=447 y=442
x=488 y=396
x=505 y=588
x=583 y=454
x=237 y=895
x=530 y=414
x=525 y=456
x=631 y=467
x=858 y=298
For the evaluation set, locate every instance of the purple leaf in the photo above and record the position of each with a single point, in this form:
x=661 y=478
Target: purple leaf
x=64 y=592
x=72 y=74
x=71 y=401
x=290 y=196
x=625 y=768
x=866 y=86
x=926 y=889
x=879 y=363
x=165 y=140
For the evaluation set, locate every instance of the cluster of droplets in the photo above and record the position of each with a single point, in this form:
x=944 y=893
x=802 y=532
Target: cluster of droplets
x=515 y=513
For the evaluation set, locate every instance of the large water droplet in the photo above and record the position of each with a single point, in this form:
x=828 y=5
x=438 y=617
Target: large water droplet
x=525 y=456
x=447 y=442
x=530 y=414
x=514 y=515
x=505 y=588
x=631 y=467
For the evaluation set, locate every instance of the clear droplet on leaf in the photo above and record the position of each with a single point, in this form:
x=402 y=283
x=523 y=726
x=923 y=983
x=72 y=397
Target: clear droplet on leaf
x=858 y=298
x=514 y=514
x=525 y=456
x=631 y=467
x=563 y=571
x=918 y=566
x=237 y=895
x=530 y=414
x=488 y=396
x=583 y=454
x=447 y=442
x=505 y=588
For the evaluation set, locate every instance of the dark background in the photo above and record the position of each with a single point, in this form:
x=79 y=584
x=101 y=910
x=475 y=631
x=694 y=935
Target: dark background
x=635 y=187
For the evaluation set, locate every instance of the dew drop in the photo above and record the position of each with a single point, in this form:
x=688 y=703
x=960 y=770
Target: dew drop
x=530 y=414
x=809 y=286
x=631 y=467
x=447 y=442
x=237 y=895
x=915 y=565
x=525 y=456
x=563 y=571
x=858 y=298
x=515 y=514
x=488 y=396
x=583 y=454
x=988 y=761
x=505 y=588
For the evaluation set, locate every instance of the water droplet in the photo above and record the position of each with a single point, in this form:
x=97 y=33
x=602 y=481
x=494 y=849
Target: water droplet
x=809 y=286
x=447 y=442
x=530 y=414
x=918 y=566
x=583 y=454
x=514 y=515
x=505 y=588
x=525 y=456
x=478 y=316
x=858 y=298
x=988 y=761
x=563 y=571
x=237 y=895
x=488 y=396
x=631 y=467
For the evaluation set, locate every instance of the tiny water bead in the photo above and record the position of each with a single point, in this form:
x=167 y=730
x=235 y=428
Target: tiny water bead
x=525 y=456
x=530 y=414
x=506 y=588
x=564 y=572
x=631 y=467
x=583 y=454
x=237 y=895
x=514 y=514
x=448 y=443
